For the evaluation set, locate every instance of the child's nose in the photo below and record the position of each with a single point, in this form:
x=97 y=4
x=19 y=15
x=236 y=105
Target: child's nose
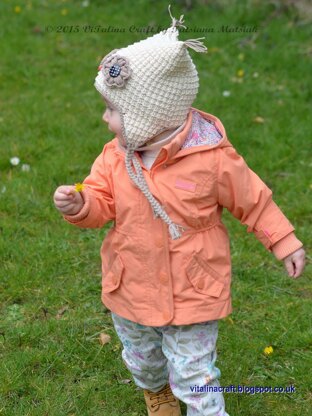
x=105 y=116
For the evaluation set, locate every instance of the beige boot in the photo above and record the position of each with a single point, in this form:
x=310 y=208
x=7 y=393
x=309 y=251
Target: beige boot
x=162 y=403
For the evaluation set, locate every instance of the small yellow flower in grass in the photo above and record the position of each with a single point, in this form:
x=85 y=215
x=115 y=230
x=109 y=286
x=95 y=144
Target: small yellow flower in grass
x=240 y=73
x=79 y=187
x=17 y=9
x=64 y=12
x=268 y=350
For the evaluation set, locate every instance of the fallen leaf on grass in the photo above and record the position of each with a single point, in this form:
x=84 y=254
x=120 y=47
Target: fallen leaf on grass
x=125 y=381
x=36 y=29
x=259 y=120
x=104 y=338
x=61 y=312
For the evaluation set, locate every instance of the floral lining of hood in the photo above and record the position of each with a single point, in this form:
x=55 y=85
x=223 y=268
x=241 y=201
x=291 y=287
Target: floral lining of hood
x=203 y=132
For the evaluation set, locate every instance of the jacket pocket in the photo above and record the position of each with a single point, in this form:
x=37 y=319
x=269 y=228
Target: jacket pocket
x=111 y=280
x=204 y=278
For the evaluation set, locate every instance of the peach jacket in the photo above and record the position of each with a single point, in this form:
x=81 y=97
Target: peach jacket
x=146 y=276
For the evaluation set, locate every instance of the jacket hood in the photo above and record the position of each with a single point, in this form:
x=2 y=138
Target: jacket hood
x=176 y=147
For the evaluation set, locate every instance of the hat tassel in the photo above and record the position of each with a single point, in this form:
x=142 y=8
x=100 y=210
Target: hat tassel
x=176 y=22
x=174 y=231
x=196 y=45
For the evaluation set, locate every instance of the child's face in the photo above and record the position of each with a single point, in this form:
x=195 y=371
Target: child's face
x=111 y=116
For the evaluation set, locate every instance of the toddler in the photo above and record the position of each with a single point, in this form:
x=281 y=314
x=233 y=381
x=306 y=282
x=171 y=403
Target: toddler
x=164 y=180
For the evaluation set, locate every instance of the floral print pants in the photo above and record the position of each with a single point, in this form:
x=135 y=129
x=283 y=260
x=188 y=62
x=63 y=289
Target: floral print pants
x=184 y=355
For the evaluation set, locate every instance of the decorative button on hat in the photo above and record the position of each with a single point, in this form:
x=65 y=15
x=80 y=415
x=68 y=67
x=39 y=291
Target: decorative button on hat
x=115 y=70
x=152 y=83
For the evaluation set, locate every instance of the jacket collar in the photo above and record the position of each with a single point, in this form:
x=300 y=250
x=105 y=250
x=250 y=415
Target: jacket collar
x=172 y=150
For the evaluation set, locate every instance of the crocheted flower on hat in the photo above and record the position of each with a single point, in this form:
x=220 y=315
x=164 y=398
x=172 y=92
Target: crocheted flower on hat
x=116 y=70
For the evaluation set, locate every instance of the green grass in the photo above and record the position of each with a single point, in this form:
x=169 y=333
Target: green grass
x=51 y=361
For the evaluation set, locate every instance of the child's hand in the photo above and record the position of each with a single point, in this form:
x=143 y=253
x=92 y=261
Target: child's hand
x=67 y=200
x=295 y=262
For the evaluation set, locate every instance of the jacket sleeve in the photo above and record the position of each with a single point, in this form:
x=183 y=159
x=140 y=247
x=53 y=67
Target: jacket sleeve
x=99 y=204
x=249 y=199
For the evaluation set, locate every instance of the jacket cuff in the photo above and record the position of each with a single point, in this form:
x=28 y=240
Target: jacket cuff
x=286 y=246
x=83 y=213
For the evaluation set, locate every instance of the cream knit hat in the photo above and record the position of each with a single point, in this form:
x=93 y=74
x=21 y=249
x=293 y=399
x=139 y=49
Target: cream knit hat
x=153 y=84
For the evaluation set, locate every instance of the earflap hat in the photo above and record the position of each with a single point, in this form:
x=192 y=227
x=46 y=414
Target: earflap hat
x=153 y=84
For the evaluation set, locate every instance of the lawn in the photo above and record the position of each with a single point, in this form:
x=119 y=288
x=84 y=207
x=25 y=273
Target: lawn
x=256 y=78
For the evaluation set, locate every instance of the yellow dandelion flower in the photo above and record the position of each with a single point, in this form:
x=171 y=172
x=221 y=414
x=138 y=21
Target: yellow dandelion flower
x=64 y=12
x=240 y=73
x=268 y=350
x=79 y=187
x=17 y=9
